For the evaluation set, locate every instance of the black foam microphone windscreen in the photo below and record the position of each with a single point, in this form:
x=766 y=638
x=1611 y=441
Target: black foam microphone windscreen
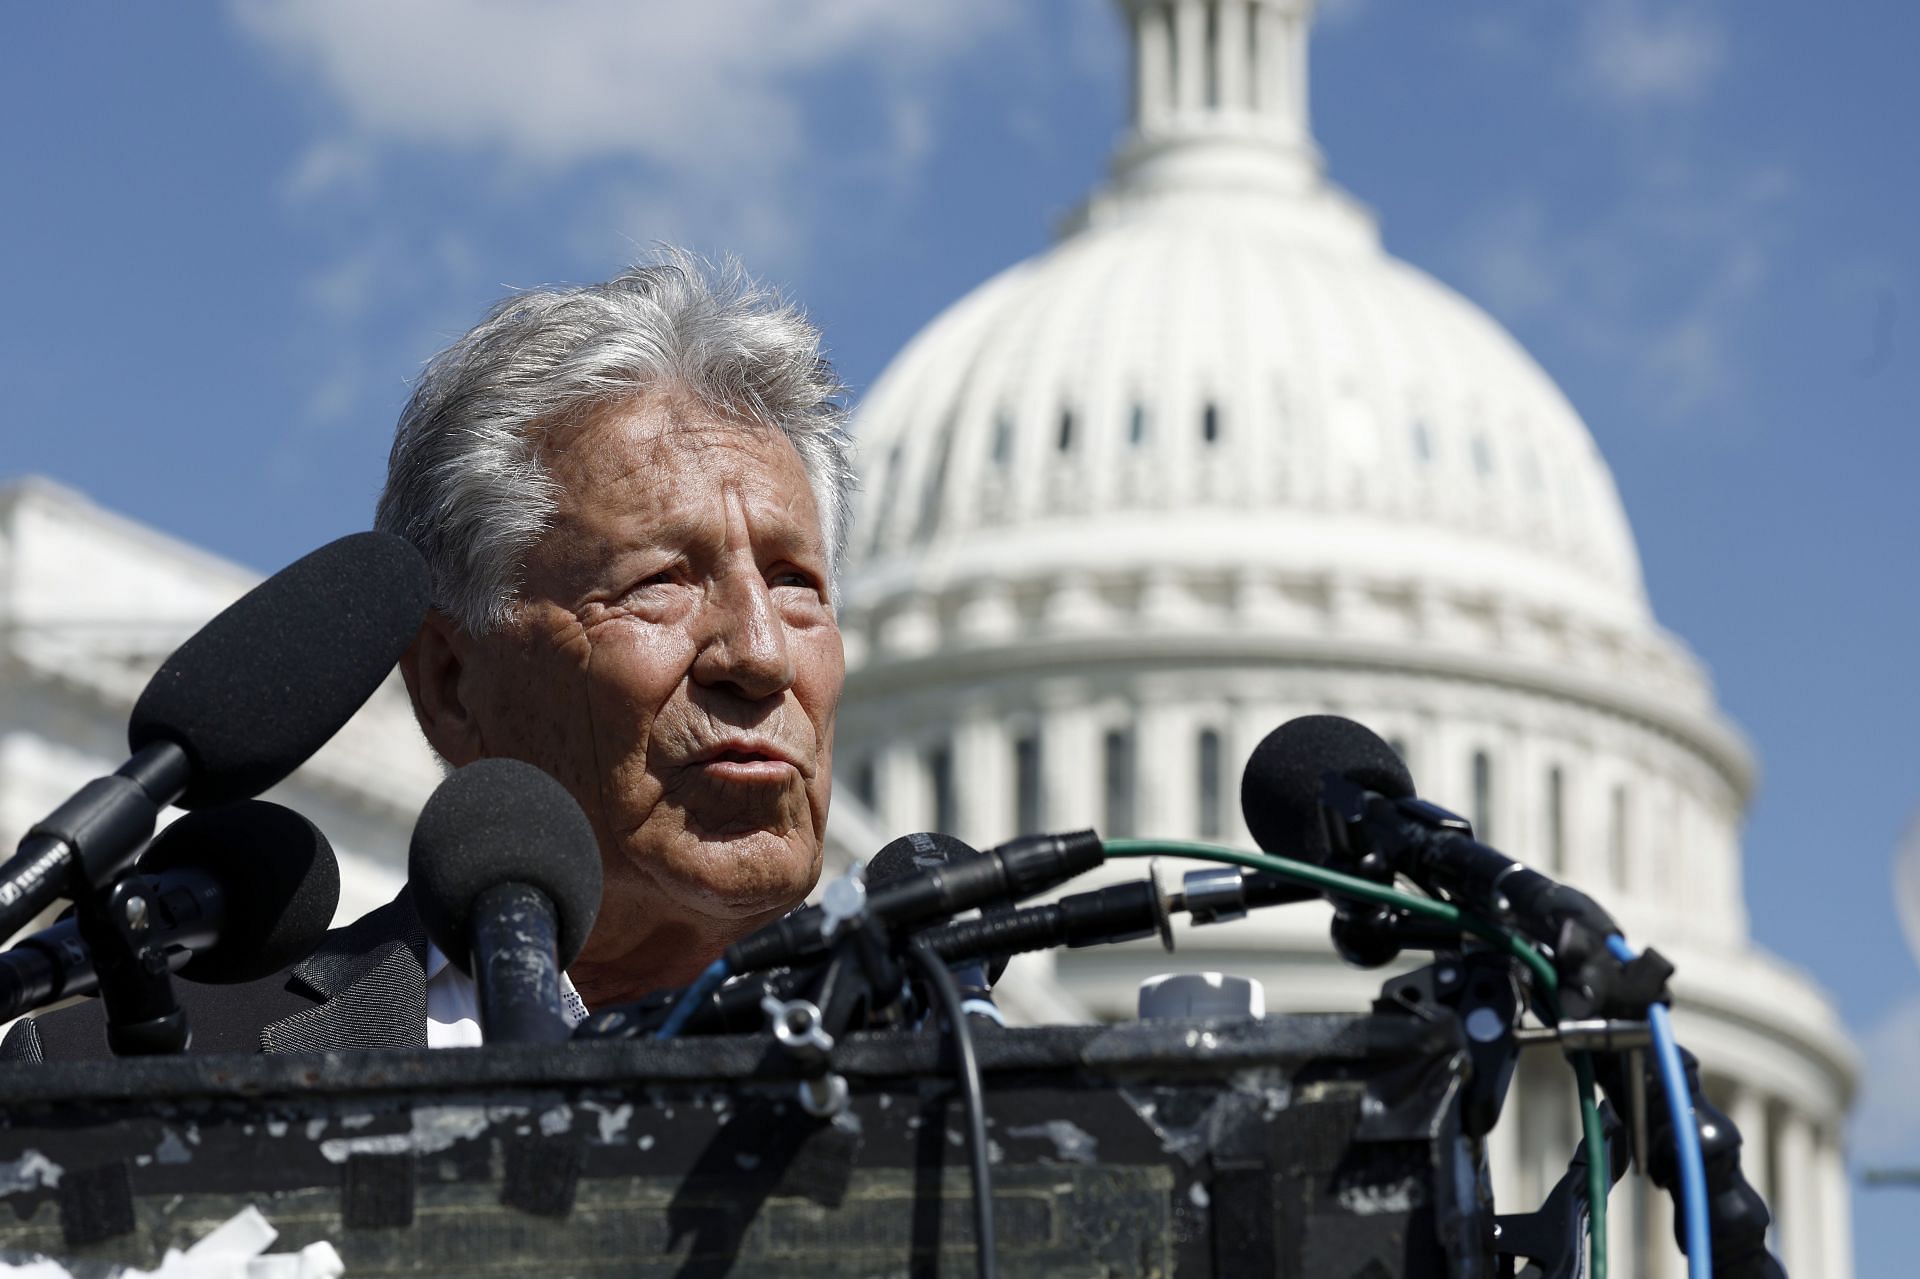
x=923 y=851
x=262 y=686
x=280 y=882
x=1280 y=789
x=912 y=854
x=503 y=821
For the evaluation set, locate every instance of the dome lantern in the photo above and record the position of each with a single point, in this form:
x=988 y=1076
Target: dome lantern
x=1219 y=95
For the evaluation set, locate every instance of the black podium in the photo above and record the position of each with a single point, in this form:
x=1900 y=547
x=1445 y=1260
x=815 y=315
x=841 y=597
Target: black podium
x=1322 y=1146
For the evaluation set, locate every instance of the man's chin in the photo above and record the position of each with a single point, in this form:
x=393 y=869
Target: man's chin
x=745 y=876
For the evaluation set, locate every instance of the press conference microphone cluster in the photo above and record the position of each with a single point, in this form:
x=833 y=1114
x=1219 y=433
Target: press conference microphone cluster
x=229 y=894
x=1324 y=789
x=1328 y=790
x=235 y=709
x=505 y=872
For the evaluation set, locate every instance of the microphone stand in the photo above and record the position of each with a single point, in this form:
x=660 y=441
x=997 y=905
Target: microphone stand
x=130 y=960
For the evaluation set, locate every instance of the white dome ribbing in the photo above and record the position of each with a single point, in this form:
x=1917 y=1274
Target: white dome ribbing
x=1220 y=331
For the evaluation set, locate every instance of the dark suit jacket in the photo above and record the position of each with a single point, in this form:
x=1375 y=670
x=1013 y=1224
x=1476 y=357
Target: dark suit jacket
x=364 y=987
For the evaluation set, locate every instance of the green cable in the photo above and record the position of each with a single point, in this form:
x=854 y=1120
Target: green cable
x=1547 y=1001
x=1332 y=881
x=1598 y=1180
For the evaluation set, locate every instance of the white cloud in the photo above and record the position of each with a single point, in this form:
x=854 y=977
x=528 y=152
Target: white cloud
x=727 y=127
x=1886 y=1123
x=699 y=123
x=1640 y=53
x=695 y=88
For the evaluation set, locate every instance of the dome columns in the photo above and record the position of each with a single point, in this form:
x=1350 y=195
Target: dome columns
x=1230 y=67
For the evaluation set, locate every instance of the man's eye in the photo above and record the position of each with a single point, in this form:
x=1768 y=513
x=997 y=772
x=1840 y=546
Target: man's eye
x=794 y=577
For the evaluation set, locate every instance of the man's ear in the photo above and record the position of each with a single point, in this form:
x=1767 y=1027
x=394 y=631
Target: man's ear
x=433 y=668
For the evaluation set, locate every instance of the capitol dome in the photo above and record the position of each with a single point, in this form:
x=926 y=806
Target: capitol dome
x=1248 y=353
x=1216 y=459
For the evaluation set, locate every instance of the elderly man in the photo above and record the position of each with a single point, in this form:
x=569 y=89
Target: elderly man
x=632 y=497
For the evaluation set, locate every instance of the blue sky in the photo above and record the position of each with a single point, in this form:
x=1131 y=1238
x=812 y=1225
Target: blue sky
x=231 y=233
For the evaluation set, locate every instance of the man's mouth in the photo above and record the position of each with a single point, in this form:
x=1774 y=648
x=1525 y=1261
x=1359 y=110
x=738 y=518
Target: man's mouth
x=748 y=763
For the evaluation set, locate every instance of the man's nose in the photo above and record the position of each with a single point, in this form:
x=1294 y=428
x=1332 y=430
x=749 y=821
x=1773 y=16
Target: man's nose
x=744 y=648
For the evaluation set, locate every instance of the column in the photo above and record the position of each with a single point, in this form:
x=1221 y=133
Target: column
x=1294 y=78
x=1503 y=1157
x=1152 y=67
x=1664 y=1258
x=1189 y=56
x=1836 y=1205
x=1625 y=1221
x=1169 y=772
x=1070 y=766
x=983 y=778
x=1231 y=55
x=1799 y=1204
x=902 y=783
x=1270 y=65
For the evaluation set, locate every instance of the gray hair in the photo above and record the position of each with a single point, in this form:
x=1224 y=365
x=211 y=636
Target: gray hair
x=465 y=481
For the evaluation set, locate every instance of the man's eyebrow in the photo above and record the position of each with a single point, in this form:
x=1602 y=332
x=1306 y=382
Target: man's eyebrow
x=777 y=528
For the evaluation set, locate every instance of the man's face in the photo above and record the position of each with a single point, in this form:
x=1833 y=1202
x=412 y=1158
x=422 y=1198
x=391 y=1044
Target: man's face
x=675 y=662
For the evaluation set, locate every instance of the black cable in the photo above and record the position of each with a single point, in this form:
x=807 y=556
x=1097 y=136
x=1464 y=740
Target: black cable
x=948 y=993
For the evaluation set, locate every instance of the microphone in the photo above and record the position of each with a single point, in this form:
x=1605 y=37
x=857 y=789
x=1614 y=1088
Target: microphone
x=917 y=854
x=1327 y=790
x=230 y=894
x=1281 y=788
x=505 y=871
x=1101 y=917
x=235 y=709
x=1018 y=869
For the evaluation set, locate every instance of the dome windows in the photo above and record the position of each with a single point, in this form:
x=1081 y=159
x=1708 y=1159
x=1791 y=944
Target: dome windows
x=1029 y=810
x=1002 y=438
x=1207 y=756
x=1422 y=440
x=1065 y=440
x=940 y=792
x=1618 y=817
x=1210 y=423
x=1117 y=755
x=1137 y=425
x=1482 y=456
x=1482 y=797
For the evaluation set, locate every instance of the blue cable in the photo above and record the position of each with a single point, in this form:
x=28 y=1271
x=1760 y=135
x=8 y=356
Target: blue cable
x=691 y=998
x=1686 y=1135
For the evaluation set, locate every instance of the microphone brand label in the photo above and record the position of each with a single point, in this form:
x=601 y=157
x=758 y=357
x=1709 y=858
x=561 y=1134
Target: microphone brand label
x=31 y=875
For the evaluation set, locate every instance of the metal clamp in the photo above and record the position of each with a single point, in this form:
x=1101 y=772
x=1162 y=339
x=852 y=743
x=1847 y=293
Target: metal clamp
x=1597 y=1035
x=798 y=1029
x=1594 y=1036
x=1215 y=895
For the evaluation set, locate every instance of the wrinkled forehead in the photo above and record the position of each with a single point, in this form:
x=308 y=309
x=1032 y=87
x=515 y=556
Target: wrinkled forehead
x=647 y=468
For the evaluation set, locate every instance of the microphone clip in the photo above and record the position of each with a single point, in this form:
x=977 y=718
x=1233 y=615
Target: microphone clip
x=130 y=960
